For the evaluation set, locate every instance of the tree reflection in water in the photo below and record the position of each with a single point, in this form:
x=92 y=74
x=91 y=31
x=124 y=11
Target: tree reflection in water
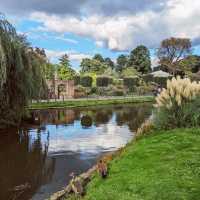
x=86 y=121
x=23 y=160
x=133 y=116
x=56 y=142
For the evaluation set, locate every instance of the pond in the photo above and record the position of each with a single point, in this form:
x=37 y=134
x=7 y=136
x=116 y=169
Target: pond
x=37 y=159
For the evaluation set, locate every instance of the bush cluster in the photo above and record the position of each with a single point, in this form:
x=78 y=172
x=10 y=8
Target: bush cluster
x=131 y=83
x=118 y=92
x=103 y=81
x=162 y=81
x=147 y=78
x=86 y=81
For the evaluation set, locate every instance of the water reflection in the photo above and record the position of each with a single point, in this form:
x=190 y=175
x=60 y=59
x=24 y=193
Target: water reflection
x=57 y=142
x=23 y=160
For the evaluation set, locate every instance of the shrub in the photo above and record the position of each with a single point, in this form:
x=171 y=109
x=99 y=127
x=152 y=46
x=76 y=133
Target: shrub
x=194 y=77
x=93 y=90
x=77 y=80
x=118 y=81
x=129 y=72
x=162 y=81
x=178 y=105
x=86 y=81
x=144 y=89
x=93 y=75
x=103 y=81
x=105 y=91
x=147 y=78
x=131 y=82
x=118 y=92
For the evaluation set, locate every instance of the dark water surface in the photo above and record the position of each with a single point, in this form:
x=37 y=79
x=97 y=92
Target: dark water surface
x=40 y=156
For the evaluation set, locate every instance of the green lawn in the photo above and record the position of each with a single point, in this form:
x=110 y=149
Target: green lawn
x=162 y=166
x=91 y=102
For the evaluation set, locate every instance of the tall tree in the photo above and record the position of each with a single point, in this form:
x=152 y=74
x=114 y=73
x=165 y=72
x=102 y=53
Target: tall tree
x=21 y=74
x=93 y=66
x=140 y=59
x=109 y=63
x=172 y=51
x=65 y=72
x=121 y=62
x=85 y=65
x=98 y=57
x=49 y=71
x=64 y=60
x=190 y=64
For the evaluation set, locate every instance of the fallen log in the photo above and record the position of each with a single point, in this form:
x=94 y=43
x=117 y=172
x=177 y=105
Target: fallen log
x=84 y=179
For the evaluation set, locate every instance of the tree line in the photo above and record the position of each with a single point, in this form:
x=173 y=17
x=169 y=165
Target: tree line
x=24 y=69
x=174 y=56
x=137 y=61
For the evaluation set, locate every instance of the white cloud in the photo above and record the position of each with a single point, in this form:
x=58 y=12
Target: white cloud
x=179 y=18
x=53 y=55
x=68 y=40
x=43 y=34
x=100 y=44
x=106 y=137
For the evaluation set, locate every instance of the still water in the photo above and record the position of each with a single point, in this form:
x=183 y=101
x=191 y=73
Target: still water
x=36 y=160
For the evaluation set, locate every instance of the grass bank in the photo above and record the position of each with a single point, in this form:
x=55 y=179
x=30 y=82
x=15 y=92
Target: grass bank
x=164 y=165
x=90 y=102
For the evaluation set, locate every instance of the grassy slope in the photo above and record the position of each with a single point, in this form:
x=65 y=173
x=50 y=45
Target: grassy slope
x=165 y=165
x=90 y=102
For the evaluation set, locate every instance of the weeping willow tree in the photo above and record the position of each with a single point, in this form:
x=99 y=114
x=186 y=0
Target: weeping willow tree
x=21 y=75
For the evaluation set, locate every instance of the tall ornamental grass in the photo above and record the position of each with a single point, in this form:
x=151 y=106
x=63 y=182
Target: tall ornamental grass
x=178 y=105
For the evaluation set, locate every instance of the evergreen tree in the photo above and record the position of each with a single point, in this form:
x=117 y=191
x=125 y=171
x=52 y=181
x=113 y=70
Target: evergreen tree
x=140 y=59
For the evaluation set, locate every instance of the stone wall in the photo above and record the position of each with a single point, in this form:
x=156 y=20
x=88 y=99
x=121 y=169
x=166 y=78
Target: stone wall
x=59 y=89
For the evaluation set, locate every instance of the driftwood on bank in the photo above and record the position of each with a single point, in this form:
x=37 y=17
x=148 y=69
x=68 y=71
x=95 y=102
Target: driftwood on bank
x=84 y=179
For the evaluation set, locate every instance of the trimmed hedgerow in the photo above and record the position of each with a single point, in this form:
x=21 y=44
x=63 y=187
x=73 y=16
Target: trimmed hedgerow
x=103 y=81
x=86 y=81
x=131 y=82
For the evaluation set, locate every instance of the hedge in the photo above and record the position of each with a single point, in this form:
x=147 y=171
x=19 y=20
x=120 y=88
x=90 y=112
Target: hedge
x=86 y=81
x=118 y=92
x=103 y=81
x=147 y=78
x=131 y=82
x=162 y=81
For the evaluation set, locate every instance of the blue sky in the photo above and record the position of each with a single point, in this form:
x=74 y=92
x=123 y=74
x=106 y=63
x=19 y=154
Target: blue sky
x=59 y=43
x=82 y=28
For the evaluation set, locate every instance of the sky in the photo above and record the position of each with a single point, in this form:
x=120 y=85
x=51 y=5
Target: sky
x=82 y=28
